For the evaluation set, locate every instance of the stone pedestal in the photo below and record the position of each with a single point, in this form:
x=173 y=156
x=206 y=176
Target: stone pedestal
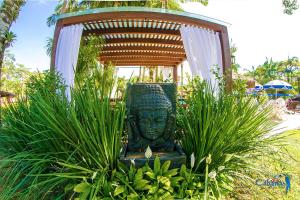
x=177 y=157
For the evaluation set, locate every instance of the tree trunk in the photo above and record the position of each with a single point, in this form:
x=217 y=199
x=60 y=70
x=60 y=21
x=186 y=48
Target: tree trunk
x=1 y=63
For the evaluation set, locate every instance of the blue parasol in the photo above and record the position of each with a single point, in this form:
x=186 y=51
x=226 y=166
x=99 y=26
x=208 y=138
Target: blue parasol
x=278 y=84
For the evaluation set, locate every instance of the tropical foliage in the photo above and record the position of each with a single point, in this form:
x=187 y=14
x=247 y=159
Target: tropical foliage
x=14 y=75
x=65 y=6
x=88 y=57
x=229 y=128
x=45 y=139
x=9 y=11
x=290 y=6
x=287 y=70
x=158 y=182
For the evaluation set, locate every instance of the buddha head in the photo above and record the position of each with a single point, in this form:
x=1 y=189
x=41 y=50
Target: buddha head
x=152 y=108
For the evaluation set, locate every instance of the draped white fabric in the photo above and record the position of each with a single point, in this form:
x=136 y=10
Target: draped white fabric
x=203 y=51
x=167 y=72
x=67 y=54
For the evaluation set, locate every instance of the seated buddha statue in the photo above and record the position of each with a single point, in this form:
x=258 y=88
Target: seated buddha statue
x=151 y=116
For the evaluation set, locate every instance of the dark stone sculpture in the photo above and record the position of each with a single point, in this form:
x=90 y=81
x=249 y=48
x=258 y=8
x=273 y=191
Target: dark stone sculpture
x=151 y=110
x=151 y=120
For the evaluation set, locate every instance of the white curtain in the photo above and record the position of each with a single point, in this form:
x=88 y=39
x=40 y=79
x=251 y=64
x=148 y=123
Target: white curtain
x=203 y=51
x=67 y=54
x=167 y=72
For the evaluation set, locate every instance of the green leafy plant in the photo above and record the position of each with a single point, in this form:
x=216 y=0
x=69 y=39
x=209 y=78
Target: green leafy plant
x=48 y=142
x=231 y=129
x=159 y=182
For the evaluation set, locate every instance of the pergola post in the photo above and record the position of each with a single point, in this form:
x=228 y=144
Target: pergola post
x=226 y=59
x=181 y=74
x=58 y=27
x=175 y=76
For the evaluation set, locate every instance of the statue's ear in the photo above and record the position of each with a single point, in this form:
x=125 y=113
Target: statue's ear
x=170 y=125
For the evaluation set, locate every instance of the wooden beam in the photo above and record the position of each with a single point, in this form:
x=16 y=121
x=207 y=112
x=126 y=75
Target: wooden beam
x=226 y=59
x=145 y=64
x=160 y=63
x=144 y=16
x=165 y=53
x=144 y=48
x=146 y=56
x=117 y=31
x=120 y=59
x=177 y=43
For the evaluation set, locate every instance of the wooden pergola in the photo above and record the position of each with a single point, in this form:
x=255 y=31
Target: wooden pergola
x=138 y=36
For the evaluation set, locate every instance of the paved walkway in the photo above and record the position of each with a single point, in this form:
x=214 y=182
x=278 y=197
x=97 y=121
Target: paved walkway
x=290 y=122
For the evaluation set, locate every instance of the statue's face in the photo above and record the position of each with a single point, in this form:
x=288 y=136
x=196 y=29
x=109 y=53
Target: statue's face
x=152 y=123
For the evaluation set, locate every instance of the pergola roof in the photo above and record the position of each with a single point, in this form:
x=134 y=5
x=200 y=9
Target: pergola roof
x=139 y=36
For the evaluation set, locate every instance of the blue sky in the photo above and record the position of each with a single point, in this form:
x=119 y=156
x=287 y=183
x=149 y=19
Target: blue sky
x=32 y=31
x=258 y=28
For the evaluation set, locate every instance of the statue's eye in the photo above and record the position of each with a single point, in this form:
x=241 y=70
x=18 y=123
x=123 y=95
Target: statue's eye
x=159 y=119
x=144 y=120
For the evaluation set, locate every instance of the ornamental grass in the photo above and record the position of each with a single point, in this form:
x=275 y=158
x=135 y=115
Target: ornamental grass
x=48 y=142
x=229 y=130
x=53 y=148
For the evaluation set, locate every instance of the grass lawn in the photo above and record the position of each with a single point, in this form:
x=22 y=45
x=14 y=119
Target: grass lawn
x=288 y=164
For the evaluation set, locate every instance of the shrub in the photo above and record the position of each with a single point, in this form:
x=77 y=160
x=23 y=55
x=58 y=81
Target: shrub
x=45 y=134
x=158 y=182
x=229 y=128
x=52 y=148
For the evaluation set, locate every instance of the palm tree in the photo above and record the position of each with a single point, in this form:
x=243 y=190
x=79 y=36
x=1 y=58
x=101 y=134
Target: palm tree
x=9 y=11
x=289 y=67
x=63 y=6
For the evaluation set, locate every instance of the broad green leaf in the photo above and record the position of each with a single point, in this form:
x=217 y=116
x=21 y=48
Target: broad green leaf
x=153 y=189
x=182 y=170
x=133 y=196
x=138 y=176
x=142 y=184
x=165 y=166
x=151 y=175
x=171 y=173
x=175 y=181
x=189 y=192
x=82 y=187
x=167 y=195
x=120 y=189
x=164 y=180
x=156 y=165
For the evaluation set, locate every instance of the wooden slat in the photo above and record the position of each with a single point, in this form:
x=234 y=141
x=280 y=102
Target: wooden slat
x=144 y=60
x=144 y=41
x=142 y=54
x=140 y=57
x=115 y=58
x=116 y=31
x=145 y=64
x=143 y=48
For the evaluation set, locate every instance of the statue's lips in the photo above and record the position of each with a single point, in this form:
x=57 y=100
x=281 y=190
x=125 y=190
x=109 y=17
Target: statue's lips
x=152 y=134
